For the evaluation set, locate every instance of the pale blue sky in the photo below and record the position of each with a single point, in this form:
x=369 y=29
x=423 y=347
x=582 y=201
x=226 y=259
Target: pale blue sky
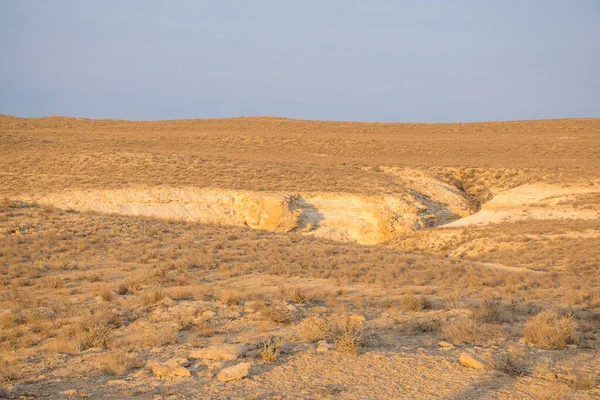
x=376 y=60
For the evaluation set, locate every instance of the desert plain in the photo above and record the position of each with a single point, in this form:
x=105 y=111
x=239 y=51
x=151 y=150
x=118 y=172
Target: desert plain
x=272 y=258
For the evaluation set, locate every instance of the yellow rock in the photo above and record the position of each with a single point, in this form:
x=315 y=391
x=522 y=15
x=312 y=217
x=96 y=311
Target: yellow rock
x=235 y=372
x=472 y=361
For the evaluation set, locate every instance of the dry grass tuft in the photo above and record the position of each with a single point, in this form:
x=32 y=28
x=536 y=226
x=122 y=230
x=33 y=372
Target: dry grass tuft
x=550 y=329
x=512 y=363
x=117 y=363
x=313 y=329
x=276 y=312
x=10 y=371
x=270 y=349
x=489 y=312
x=413 y=303
x=347 y=333
x=467 y=331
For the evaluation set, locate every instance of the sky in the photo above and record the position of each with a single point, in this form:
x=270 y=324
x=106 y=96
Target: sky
x=370 y=60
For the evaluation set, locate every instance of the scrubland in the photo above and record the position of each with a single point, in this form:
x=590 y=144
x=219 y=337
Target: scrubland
x=106 y=305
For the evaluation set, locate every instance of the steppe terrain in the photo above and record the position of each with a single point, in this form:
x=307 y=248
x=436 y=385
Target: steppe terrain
x=260 y=258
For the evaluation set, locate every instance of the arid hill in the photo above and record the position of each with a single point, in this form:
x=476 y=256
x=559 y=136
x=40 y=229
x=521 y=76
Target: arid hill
x=276 y=258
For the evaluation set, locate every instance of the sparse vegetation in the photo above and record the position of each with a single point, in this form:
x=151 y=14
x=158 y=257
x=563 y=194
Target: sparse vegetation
x=270 y=349
x=550 y=329
x=90 y=294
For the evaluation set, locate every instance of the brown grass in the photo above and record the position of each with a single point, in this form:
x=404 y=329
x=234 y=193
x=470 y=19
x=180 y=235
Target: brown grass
x=73 y=281
x=550 y=329
x=117 y=363
x=53 y=154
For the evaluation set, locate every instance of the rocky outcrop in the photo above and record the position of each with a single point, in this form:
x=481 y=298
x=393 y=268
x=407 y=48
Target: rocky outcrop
x=337 y=216
x=234 y=372
x=473 y=361
x=222 y=352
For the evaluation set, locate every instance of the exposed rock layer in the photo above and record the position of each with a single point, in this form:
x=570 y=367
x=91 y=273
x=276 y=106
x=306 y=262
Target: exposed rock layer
x=338 y=216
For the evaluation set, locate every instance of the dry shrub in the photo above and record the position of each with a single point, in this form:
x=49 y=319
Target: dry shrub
x=94 y=277
x=230 y=298
x=117 y=363
x=154 y=295
x=181 y=293
x=426 y=324
x=550 y=329
x=186 y=319
x=39 y=323
x=568 y=372
x=270 y=349
x=8 y=320
x=105 y=293
x=299 y=296
x=489 y=312
x=277 y=313
x=149 y=336
x=203 y=328
x=313 y=329
x=512 y=363
x=465 y=330
x=9 y=371
x=413 y=303
x=95 y=330
x=61 y=346
x=347 y=333
x=126 y=286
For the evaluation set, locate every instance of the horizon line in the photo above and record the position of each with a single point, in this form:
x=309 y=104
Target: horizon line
x=272 y=117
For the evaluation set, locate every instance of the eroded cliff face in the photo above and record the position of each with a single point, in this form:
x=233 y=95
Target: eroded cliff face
x=337 y=216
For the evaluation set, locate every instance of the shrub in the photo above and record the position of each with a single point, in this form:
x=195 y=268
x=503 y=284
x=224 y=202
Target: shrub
x=9 y=372
x=490 y=311
x=465 y=330
x=126 y=287
x=347 y=333
x=117 y=363
x=106 y=293
x=230 y=298
x=512 y=363
x=277 y=313
x=270 y=349
x=299 y=296
x=313 y=329
x=155 y=295
x=550 y=329
x=413 y=303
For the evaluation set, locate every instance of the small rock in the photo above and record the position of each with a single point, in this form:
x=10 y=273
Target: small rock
x=442 y=343
x=140 y=374
x=70 y=392
x=209 y=314
x=472 y=361
x=323 y=346
x=222 y=352
x=571 y=346
x=319 y=310
x=206 y=374
x=290 y=307
x=216 y=365
x=249 y=310
x=235 y=372
x=177 y=362
x=164 y=371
